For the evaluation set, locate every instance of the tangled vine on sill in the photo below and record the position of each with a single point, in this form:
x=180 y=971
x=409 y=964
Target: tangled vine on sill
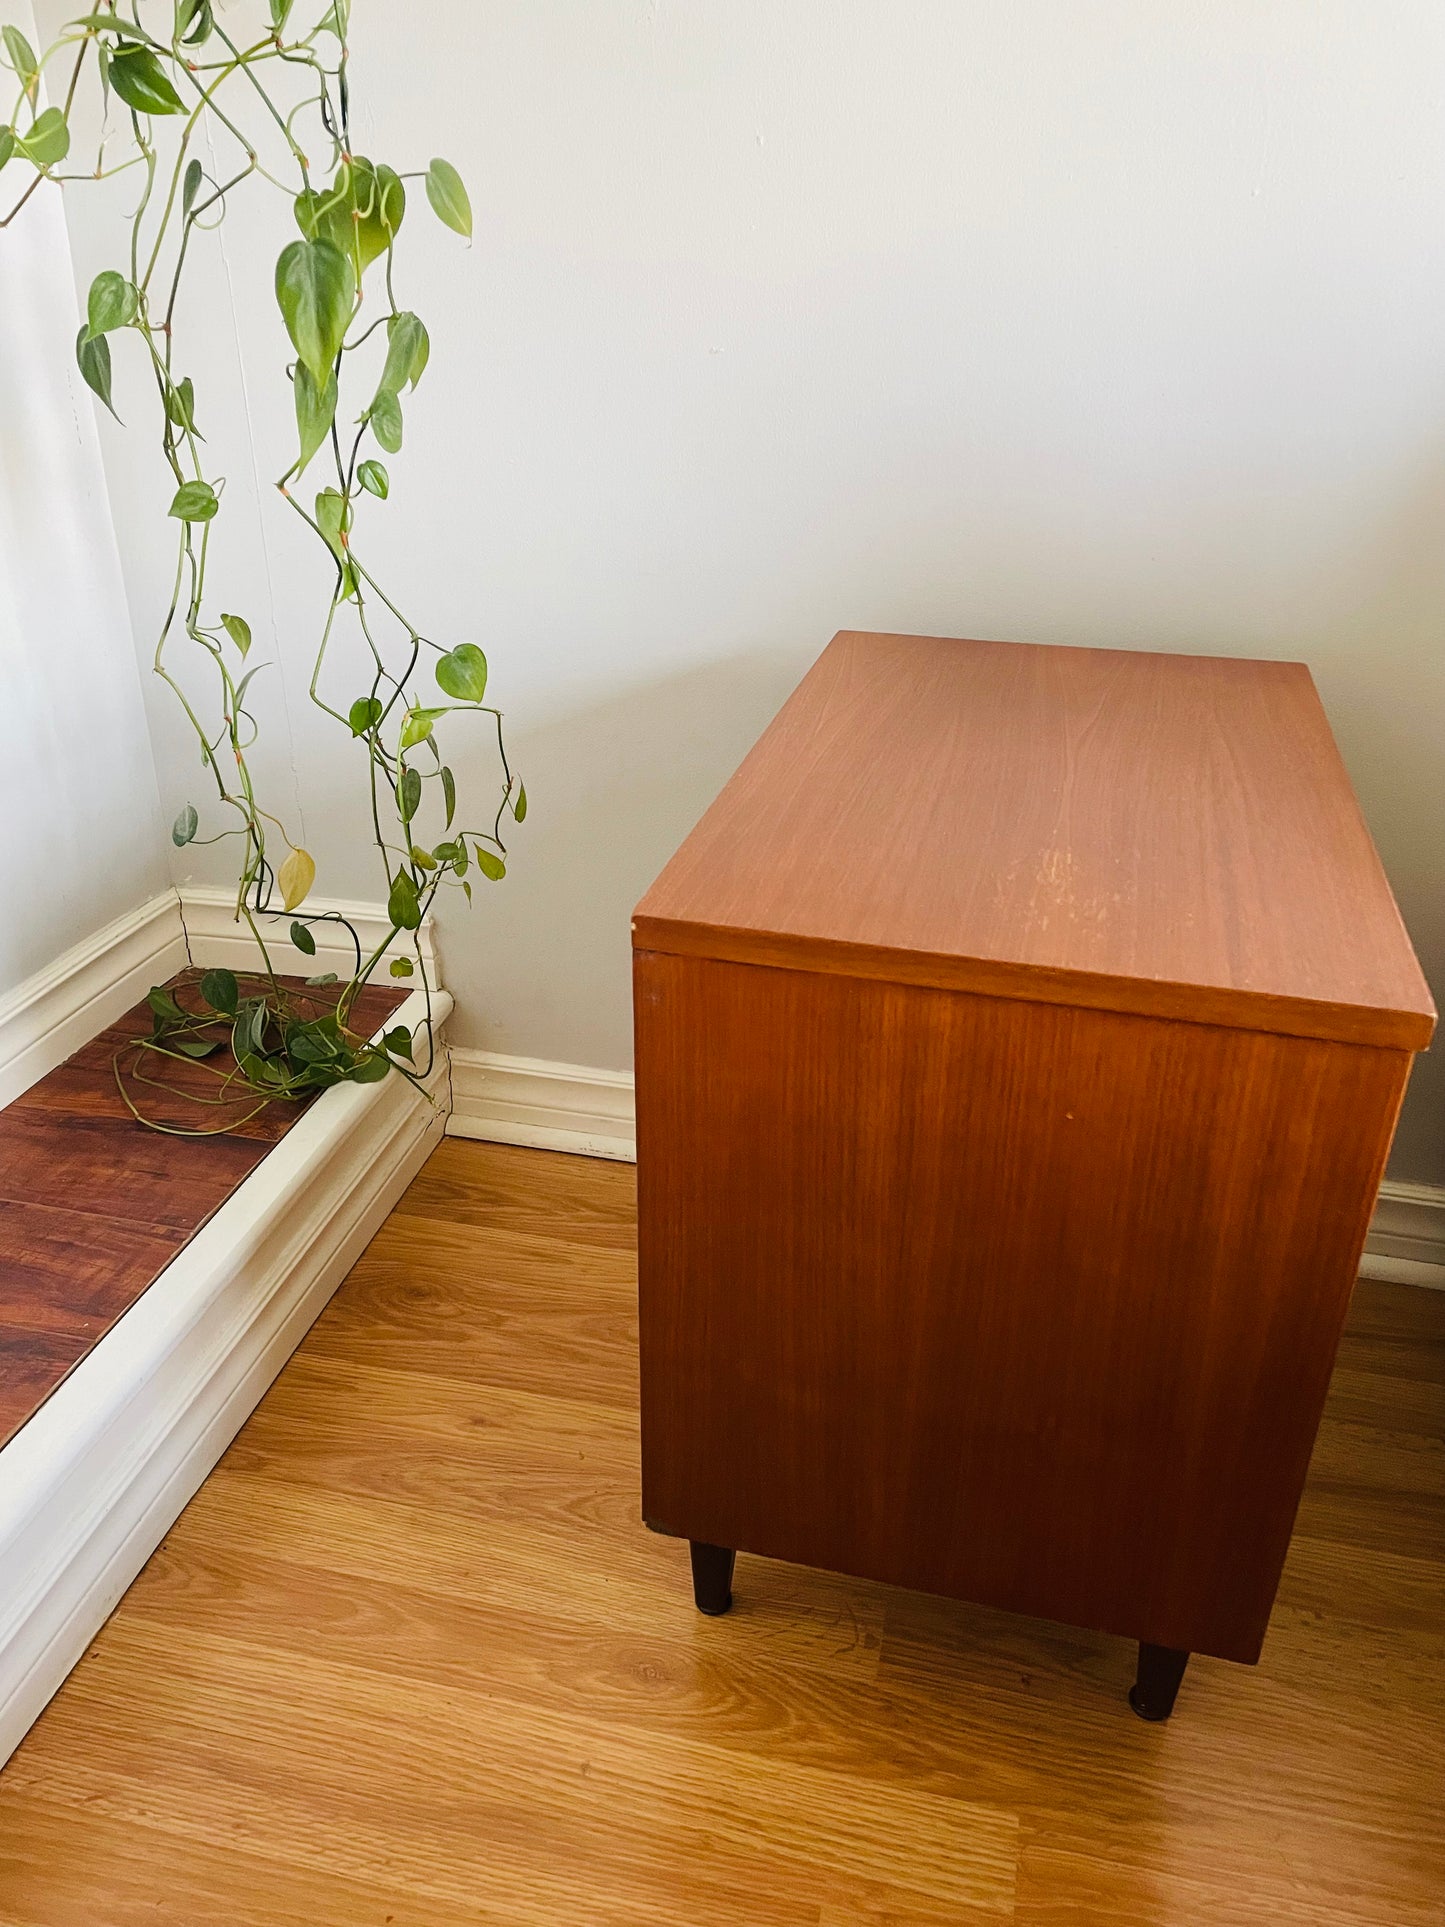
x=174 y=65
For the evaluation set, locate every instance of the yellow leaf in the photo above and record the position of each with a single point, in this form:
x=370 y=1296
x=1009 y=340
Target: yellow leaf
x=296 y=876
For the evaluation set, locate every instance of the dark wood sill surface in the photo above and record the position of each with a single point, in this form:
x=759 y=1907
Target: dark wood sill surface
x=93 y=1205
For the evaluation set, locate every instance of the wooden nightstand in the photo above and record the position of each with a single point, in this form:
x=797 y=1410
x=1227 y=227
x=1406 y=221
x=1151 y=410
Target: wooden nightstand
x=1020 y=1037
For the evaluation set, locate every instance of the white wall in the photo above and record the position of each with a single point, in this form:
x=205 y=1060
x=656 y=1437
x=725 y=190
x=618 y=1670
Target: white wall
x=82 y=839
x=1102 y=323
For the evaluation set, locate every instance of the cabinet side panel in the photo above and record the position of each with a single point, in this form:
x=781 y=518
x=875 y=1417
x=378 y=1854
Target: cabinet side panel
x=1022 y=1304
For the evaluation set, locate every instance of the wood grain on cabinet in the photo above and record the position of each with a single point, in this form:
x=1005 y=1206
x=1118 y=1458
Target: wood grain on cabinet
x=1019 y=1040
x=1023 y=1304
x=1166 y=834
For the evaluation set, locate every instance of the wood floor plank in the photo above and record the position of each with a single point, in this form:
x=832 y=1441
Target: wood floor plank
x=1397 y=1331
x=1353 y=1586
x=1382 y=1754
x=66 y=1273
x=32 y=1363
x=410 y=1653
x=809 y=1617
x=1318 y=1872
x=93 y=1205
x=530 y=1785
x=510 y=1189
x=1391 y=1404
x=353 y=1864
x=534 y=1313
x=111 y=1167
x=105 y=1873
x=1375 y=1459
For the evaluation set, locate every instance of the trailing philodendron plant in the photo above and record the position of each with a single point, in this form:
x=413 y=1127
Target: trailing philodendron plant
x=195 y=108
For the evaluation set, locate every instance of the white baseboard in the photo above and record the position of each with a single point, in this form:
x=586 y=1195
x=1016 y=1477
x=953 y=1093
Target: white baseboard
x=1406 y=1245
x=216 y=937
x=92 y=1483
x=553 y=1107
x=63 y=1006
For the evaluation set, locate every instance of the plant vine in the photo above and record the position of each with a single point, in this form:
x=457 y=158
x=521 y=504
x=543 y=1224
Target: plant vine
x=200 y=118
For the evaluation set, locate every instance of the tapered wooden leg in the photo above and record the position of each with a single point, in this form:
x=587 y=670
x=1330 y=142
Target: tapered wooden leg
x=712 y=1577
x=1157 y=1682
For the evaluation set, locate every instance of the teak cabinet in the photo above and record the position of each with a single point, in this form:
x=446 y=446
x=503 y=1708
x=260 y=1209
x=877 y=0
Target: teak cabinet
x=1020 y=1037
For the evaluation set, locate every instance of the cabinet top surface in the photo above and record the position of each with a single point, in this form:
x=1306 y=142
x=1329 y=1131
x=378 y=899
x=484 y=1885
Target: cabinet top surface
x=1159 y=833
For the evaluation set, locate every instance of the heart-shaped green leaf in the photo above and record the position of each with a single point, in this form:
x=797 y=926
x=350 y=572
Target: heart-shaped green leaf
x=359 y=213
x=408 y=794
x=398 y=1041
x=165 y=1007
x=374 y=478
x=181 y=406
x=364 y=714
x=418 y=726
x=333 y=518
x=239 y=630
x=47 y=140
x=408 y=349
x=315 y=410
x=92 y=354
x=112 y=302
x=22 y=58
x=402 y=905
x=196 y=1046
x=386 y=424
x=448 y=196
x=462 y=673
x=248 y=1033
x=219 y=989
x=185 y=826
x=312 y=208
x=309 y=1045
x=303 y=939
x=401 y=967
x=315 y=289
x=138 y=77
x=194 y=502
x=490 y=864
x=379 y=202
x=194 y=21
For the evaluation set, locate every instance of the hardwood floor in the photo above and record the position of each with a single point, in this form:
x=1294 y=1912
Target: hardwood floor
x=409 y=1659
x=93 y=1205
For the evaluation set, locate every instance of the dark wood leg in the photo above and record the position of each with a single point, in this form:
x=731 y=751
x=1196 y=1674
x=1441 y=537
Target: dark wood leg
x=1160 y=1670
x=712 y=1577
